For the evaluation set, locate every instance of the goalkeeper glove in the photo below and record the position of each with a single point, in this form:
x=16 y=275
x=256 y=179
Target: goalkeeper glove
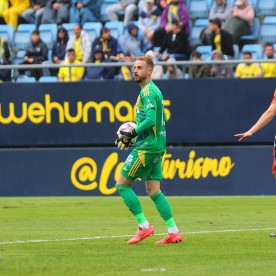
x=125 y=141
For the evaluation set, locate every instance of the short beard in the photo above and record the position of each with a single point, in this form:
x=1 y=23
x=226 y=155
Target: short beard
x=140 y=80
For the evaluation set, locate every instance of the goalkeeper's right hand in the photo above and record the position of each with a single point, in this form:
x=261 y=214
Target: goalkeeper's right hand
x=120 y=144
x=125 y=141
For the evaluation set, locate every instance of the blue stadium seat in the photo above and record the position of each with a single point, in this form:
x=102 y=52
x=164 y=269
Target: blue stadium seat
x=266 y=7
x=195 y=33
x=22 y=36
x=26 y=79
x=48 y=33
x=236 y=51
x=48 y=79
x=199 y=9
x=104 y=5
x=201 y=22
x=7 y=31
x=254 y=35
x=116 y=28
x=93 y=29
x=268 y=33
x=69 y=27
x=270 y=19
x=206 y=51
x=255 y=49
x=19 y=57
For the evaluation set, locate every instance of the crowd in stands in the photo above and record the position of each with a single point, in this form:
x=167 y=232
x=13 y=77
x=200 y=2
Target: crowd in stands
x=160 y=28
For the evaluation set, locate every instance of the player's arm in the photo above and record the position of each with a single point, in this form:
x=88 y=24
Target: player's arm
x=150 y=121
x=266 y=117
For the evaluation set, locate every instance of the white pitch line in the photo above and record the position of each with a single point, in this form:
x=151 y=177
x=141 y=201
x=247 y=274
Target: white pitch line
x=126 y=236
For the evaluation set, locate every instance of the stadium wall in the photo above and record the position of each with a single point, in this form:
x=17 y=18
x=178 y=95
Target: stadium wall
x=50 y=135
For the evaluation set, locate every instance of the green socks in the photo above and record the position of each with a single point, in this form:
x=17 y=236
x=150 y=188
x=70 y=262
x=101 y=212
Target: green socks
x=164 y=210
x=132 y=202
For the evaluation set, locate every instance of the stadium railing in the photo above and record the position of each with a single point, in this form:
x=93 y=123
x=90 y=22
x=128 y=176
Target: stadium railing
x=185 y=65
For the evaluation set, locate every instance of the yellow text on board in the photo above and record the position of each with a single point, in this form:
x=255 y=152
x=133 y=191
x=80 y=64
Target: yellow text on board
x=86 y=175
x=86 y=112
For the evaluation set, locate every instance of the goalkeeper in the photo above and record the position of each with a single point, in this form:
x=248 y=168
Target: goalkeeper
x=145 y=160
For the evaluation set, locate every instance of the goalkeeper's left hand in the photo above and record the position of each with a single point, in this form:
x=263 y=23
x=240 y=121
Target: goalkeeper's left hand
x=124 y=142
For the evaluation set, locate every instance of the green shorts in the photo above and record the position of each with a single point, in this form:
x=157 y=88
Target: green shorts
x=146 y=166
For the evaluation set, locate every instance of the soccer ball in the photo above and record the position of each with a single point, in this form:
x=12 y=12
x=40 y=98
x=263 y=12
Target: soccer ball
x=127 y=127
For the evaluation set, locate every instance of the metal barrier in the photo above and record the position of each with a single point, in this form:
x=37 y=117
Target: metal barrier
x=184 y=64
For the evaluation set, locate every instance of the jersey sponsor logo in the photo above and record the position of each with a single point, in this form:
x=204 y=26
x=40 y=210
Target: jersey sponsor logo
x=149 y=104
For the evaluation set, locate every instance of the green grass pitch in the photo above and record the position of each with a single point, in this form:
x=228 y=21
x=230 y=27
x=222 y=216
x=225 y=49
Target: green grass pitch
x=88 y=235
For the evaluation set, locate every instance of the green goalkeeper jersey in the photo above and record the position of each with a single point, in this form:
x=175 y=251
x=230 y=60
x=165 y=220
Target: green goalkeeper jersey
x=150 y=120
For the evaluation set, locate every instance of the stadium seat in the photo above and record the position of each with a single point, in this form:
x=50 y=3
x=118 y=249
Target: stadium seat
x=48 y=33
x=116 y=28
x=206 y=51
x=19 y=57
x=236 y=51
x=199 y=9
x=69 y=27
x=7 y=31
x=201 y=22
x=255 y=49
x=269 y=20
x=26 y=79
x=22 y=36
x=104 y=5
x=266 y=7
x=48 y=79
x=267 y=33
x=93 y=29
x=195 y=35
x=254 y=35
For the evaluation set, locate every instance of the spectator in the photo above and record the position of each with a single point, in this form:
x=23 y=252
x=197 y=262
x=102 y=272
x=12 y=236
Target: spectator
x=128 y=6
x=11 y=14
x=158 y=72
x=175 y=11
x=4 y=4
x=56 y=11
x=221 y=10
x=33 y=15
x=241 y=21
x=5 y=55
x=82 y=11
x=125 y=72
x=99 y=72
x=198 y=70
x=176 y=43
x=220 y=70
x=149 y=21
x=36 y=53
x=248 y=70
x=58 y=51
x=173 y=72
x=269 y=69
x=81 y=43
x=107 y=43
x=220 y=39
x=132 y=41
x=76 y=72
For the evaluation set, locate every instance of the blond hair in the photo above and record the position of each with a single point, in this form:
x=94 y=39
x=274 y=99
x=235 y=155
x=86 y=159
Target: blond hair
x=148 y=59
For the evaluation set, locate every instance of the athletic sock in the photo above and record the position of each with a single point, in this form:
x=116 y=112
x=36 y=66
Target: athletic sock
x=132 y=202
x=164 y=210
